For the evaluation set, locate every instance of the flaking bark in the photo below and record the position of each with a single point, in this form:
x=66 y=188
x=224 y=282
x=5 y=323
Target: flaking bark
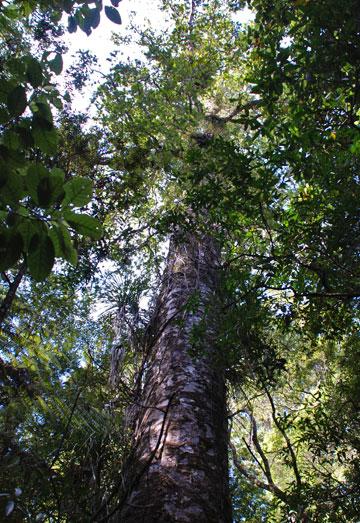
x=179 y=472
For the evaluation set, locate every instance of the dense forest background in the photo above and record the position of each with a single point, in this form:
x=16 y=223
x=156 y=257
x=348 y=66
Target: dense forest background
x=254 y=128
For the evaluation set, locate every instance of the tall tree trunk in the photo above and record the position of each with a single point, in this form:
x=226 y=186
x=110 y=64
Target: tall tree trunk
x=179 y=470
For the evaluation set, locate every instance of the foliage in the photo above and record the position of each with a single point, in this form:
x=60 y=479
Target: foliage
x=249 y=131
x=62 y=439
x=37 y=201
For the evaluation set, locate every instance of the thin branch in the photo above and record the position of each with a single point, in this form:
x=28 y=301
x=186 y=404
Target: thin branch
x=11 y=293
x=270 y=486
x=287 y=439
x=138 y=476
x=6 y=278
x=66 y=430
x=258 y=447
x=267 y=227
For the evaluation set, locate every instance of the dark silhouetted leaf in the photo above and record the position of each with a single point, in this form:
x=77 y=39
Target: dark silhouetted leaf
x=34 y=72
x=72 y=24
x=113 y=14
x=41 y=257
x=56 y=65
x=17 y=101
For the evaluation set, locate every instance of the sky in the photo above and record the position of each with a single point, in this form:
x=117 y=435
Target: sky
x=143 y=13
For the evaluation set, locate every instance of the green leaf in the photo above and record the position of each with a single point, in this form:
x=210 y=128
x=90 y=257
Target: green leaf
x=4 y=173
x=68 y=5
x=11 y=244
x=24 y=133
x=35 y=173
x=17 y=101
x=13 y=190
x=84 y=224
x=45 y=139
x=63 y=245
x=17 y=68
x=113 y=14
x=11 y=139
x=78 y=191
x=4 y=116
x=27 y=228
x=43 y=186
x=56 y=65
x=41 y=257
x=59 y=173
x=57 y=184
x=34 y=72
x=42 y=111
x=44 y=192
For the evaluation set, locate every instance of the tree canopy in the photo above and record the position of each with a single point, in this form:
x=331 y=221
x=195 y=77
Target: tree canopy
x=252 y=128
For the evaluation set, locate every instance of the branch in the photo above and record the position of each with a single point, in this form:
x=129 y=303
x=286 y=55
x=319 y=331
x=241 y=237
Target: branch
x=214 y=118
x=10 y=295
x=138 y=476
x=330 y=294
x=65 y=433
x=258 y=447
x=270 y=486
x=286 y=438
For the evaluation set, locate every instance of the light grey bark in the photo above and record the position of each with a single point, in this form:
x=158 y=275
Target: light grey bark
x=179 y=470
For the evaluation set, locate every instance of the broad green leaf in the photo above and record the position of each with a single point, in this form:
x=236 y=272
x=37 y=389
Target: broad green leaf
x=24 y=132
x=62 y=242
x=4 y=173
x=17 y=66
x=4 y=116
x=17 y=101
x=41 y=110
x=41 y=257
x=6 y=86
x=113 y=14
x=57 y=177
x=45 y=139
x=13 y=190
x=84 y=224
x=12 y=218
x=35 y=173
x=27 y=228
x=78 y=191
x=44 y=192
x=68 y=5
x=44 y=187
x=11 y=244
x=34 y=72
x=59 y=173
x=11 y=139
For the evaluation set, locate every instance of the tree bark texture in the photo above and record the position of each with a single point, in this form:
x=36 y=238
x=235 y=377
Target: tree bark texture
x=179 y=472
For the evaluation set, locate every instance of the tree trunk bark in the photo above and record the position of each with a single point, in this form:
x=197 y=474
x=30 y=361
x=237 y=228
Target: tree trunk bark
x=179 y=470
